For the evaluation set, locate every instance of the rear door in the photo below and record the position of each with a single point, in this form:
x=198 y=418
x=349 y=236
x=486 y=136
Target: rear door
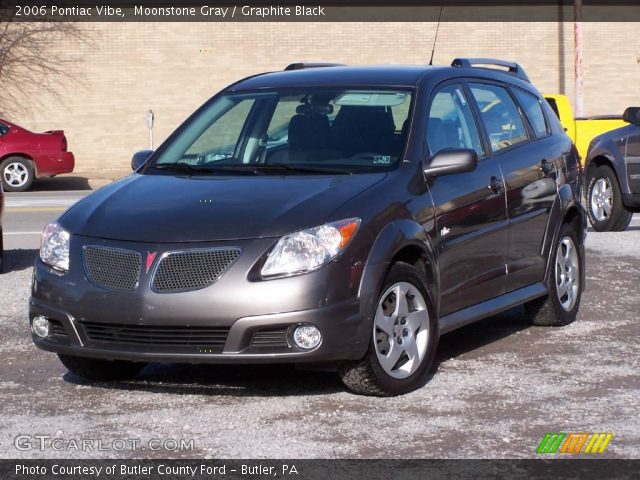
x=529 y=157
x=470 y=208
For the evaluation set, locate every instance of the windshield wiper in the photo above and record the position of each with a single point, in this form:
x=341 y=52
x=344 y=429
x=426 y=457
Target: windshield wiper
x=251 y=169
x=185 y=167
x=300 y=168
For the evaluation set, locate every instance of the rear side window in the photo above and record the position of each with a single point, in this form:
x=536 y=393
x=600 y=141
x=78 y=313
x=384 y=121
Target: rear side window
x=533 y=110
x=500 y=115
x=3 y=129
x=450 y=123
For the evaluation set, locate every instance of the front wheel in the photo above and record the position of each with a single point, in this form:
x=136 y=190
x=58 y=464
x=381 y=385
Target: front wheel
x=100 y=370
x=403 y=340
x=604 y=201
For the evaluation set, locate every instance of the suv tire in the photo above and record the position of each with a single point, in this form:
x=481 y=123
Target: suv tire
x=560 y=306
x=603 y=193
x=100 y=370
x=403 y=333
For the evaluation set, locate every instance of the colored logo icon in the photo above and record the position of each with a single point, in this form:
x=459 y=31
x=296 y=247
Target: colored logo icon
x=574 y=443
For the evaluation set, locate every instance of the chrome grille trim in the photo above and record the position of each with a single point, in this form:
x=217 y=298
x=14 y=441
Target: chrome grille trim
x=194 y=269
x=112 y=268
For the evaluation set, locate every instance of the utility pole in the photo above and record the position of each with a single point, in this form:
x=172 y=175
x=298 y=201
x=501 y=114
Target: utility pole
x=577 y=60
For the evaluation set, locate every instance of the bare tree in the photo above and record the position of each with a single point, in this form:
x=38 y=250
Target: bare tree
x=32 y=64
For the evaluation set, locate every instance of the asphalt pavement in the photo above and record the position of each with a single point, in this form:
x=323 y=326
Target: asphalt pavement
x=499 y=387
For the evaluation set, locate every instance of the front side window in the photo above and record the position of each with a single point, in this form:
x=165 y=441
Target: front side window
x=500 y=115
x=533 y=110
x=293 y=132
x=450 y=123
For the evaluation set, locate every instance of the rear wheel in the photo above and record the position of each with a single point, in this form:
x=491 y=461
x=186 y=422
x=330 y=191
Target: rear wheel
x=403 y=341
x=604 y=201
x=560 y=306
x=100 y=370
x=17 y=174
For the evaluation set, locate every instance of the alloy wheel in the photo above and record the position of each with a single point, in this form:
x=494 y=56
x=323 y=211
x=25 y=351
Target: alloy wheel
x=15 y=174
x=567 y=274
x=401 y=330
x=601 y=199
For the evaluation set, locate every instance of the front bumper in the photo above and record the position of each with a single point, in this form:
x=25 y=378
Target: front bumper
x=255 y=318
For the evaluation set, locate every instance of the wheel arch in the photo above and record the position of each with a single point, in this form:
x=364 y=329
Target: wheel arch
x=565 y=210
x=24 y=156
x=607 y=157
x=400 y=241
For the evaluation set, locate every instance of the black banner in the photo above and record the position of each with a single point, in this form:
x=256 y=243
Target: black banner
x=317 y=469
x=328 y=11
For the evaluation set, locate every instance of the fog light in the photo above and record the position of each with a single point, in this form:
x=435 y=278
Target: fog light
x=40 y=326
x=307 y=336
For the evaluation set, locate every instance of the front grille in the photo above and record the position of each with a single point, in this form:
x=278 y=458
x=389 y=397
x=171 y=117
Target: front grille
x=192 y=269
x=210 y=338
x=112 y=268
x=270 y=339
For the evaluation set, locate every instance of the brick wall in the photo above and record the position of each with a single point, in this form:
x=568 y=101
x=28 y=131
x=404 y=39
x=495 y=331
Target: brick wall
x=122 y=70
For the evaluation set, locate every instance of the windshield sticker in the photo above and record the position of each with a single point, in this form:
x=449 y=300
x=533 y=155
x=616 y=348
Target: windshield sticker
x=381 y=160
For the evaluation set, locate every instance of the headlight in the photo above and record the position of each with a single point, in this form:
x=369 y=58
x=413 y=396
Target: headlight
x=310 y=249
x=55 y=247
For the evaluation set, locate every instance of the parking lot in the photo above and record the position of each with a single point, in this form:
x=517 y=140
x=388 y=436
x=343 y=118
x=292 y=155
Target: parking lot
x=500 y=385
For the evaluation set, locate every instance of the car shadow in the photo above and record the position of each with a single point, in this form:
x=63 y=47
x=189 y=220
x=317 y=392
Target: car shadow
x=224 y=380
x=17 y=260
x=60 y=183
x=289 y=380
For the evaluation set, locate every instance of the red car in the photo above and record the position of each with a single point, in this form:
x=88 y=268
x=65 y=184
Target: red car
x=25 y=155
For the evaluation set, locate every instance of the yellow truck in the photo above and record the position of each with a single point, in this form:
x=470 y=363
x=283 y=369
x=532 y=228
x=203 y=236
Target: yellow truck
x=582 y=130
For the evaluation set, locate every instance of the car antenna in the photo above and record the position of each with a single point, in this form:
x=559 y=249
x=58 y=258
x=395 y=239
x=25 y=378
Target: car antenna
x=435 y=39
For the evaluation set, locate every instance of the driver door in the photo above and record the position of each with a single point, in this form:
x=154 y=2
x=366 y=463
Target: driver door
x=471 y=216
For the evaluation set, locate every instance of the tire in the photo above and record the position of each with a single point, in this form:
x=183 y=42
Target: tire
x=412 y=343
x=551 y=310
x=100 y=370
x=604 y=201
x=17 y=174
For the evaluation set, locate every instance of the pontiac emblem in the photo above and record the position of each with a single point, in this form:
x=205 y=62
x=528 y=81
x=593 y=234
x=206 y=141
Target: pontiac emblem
x=151 y=256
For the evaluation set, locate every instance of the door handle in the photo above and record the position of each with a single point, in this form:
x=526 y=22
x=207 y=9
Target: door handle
x=496 y=185
x=546 y=166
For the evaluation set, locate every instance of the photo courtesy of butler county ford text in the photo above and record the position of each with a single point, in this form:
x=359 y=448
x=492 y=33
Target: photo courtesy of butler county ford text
x=297 y=240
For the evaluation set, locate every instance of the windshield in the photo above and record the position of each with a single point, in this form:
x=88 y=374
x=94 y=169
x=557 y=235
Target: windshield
x=316 y=130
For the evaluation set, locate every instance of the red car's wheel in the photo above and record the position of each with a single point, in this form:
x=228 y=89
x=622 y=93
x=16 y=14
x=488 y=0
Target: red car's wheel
x=17 y=174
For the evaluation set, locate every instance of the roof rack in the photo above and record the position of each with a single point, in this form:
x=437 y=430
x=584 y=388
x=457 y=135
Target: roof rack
x=513 y=68
x=302 y=65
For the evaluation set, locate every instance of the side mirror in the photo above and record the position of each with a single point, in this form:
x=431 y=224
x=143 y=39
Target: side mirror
x=451 y=160
x=632 y=115
x=140 y=158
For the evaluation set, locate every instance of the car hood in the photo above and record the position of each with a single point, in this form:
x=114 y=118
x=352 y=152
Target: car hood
x=166 y=208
